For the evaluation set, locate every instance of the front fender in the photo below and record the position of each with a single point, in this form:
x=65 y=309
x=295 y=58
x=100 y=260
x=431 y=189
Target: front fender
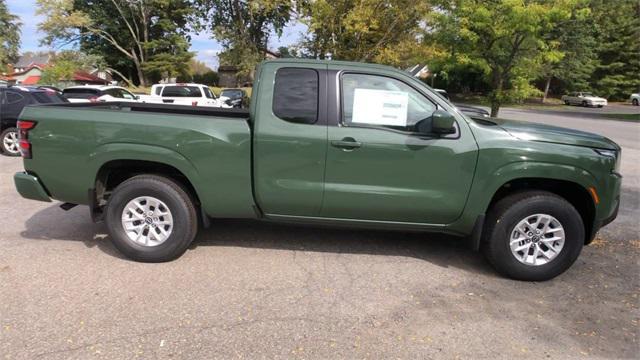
x=486 y=185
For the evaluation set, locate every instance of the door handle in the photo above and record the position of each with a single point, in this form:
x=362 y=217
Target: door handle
x=347 y=143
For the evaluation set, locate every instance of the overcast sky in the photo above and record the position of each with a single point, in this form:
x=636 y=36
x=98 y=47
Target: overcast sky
x=201 y=44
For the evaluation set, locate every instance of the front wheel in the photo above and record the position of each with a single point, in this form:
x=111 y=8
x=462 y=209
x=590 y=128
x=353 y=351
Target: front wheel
x=584 y=104
x=533 y=236
x=151 y=219
x=9 y=142
x=635 y=102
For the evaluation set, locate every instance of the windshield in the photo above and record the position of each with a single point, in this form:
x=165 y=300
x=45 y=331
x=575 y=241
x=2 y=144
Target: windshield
x=232 y=94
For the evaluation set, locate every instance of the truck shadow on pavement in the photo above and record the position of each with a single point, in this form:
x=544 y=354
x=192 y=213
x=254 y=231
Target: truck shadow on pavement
x=53 y=223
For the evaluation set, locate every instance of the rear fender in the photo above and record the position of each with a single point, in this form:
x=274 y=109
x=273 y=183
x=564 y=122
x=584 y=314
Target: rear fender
x=140 y=152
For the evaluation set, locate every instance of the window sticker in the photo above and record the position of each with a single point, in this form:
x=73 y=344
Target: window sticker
x=380 y=107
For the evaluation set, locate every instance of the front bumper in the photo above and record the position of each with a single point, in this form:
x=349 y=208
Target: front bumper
x=30 y=187
x=609 y=206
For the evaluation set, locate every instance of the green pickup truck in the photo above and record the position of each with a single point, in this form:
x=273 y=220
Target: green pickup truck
x=326 y=142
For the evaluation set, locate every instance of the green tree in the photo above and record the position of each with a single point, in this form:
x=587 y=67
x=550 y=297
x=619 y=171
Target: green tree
x=137 y=38
x=504 y=38
x=243 y=27
x=197 y=67
x=571 y=58
x=383 y=31
x=9 y=35
x=617 y=32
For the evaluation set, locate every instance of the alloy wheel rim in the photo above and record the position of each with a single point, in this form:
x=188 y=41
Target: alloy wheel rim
x=537 y=239
x=147 y=221
x=10 y=142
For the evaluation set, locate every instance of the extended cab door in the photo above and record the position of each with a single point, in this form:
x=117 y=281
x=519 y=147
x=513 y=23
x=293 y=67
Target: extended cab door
x=378 y=167
x=289 y=138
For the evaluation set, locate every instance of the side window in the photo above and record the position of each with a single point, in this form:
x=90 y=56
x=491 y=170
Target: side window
x=208 y=94
x=158 y=90
x=114 y=92
x=13 y=98
x=295 y=95
x=126 y=95
x=373 y=100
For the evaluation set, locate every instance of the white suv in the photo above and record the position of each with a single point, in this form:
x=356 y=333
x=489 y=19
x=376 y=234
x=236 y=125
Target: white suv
x=183 y=94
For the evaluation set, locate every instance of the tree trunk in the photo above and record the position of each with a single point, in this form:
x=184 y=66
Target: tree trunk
x=496 y=95
x=136 y=62
x=546 y=89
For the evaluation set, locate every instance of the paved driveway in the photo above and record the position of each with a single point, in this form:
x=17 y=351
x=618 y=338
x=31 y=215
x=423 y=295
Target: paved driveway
x=256 y=290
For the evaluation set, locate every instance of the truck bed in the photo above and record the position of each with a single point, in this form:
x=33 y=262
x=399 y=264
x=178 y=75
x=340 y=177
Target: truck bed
x=71 y=143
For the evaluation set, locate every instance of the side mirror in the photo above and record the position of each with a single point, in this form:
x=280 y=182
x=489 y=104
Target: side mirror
x=442 y=123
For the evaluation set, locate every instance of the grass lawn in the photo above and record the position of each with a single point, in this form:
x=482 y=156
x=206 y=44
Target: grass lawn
x=625 y=117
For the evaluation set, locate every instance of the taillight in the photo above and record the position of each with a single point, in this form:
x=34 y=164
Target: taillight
x=194 y=103
x=93 y=99
x=23 y=137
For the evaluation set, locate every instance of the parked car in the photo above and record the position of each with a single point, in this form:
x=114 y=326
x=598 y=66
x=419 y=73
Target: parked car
x=326 y=143
x=585 y=99
x=98 y=93
x=183 y=94
x=235 y=98
x=12 y=100
x=469 y=110
x=635 y=99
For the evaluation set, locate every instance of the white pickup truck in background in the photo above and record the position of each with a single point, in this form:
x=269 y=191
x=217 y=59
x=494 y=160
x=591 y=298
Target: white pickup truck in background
x=183 y=94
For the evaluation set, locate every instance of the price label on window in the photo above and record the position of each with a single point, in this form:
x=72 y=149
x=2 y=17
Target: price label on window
x=380 y=107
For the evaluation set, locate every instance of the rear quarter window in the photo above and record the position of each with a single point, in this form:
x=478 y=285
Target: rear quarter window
x=295 y=95
x=13 y=98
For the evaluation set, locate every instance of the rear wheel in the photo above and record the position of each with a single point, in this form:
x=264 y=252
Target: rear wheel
x=533 y=236
x=635 y=102
x=9 y=142
x=584 y=103
x=151 y=219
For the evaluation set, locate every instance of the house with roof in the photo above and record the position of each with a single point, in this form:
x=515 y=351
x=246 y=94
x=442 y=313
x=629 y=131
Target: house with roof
x=32 y=76
x=28 y=69
x=29 y=60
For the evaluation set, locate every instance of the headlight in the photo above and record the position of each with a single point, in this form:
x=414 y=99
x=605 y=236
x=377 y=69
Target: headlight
x=605 y=152
x=611 y=154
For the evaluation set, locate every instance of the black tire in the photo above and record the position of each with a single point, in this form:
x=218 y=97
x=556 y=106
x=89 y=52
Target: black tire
x=600 y=106
x=566 y=102
x=178 y=201
x=584 y=103
x=635 y=102
x=3 y=149
x=505 y=215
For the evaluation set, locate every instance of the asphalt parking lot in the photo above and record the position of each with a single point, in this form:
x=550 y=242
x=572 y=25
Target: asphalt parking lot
x=257 y=290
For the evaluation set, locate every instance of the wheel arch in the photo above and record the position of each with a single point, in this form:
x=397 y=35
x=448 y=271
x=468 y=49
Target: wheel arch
x=576 y=194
